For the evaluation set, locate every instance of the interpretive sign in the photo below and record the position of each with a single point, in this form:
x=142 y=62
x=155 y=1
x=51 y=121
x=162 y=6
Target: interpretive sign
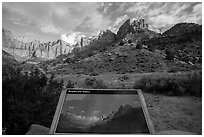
x=101 y=111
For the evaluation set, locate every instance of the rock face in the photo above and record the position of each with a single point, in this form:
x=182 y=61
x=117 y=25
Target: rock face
x=34 y=48
x=106 y=36
x=21 y=47
x=131 y=26
x=48 y=50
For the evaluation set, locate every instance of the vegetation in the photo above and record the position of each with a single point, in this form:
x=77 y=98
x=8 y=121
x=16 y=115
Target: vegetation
x=28 y=98
x=170 y=54
x=192 y=85
x=94 y=83
x=70 y=84
x=124 y=77
x=91 y=49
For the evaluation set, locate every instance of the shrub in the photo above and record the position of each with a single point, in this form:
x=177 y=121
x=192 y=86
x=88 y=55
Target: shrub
x=70 y=84
x=94 y=83
x=172 y=86
x=194 y=84
x=129 y=41
x=121 y=85
x=139 y=46
x=173 y=70
x=170 y=53
x=28 y=99
x=93 y=74
x=124 y=77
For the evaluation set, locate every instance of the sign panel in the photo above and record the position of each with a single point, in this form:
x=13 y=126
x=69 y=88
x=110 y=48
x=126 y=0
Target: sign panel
x=101 y=111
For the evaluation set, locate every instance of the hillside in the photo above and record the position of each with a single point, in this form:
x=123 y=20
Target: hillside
x=135 y=49
x=183 y=41
x=183 y=28
x=9 y=64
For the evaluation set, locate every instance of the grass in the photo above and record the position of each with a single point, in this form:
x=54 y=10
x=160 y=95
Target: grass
x=182 y=83
x=191 y=85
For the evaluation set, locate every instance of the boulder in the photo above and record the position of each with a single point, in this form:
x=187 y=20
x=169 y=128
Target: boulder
x=35 y=129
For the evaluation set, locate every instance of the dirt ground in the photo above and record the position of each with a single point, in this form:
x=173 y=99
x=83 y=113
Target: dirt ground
x=175 y=113
x=167 y=112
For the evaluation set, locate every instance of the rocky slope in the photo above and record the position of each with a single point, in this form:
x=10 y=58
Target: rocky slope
x=183 y=41
x=136 y=49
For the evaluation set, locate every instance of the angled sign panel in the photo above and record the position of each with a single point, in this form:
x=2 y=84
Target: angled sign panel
x=101 y=111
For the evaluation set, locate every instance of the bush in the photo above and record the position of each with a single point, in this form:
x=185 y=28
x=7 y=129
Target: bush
x=139 y=46
x=171 y=86
x=94 y=83
x=170 y=54
x=124 y=77
x=194 y=84
x=70 y=84
x=28 y=98
x=129 y=41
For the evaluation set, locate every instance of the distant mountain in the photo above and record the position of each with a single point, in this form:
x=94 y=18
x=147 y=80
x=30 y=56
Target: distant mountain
x=18 y=47
x=7 y=39
x=183 y=28
x=8 y=59
x=135 y=48
x=184 y=40
x=135 y=30
x=106 y=36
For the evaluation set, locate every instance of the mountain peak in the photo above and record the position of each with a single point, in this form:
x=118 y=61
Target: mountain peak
x=106 y=35
x=131 y=26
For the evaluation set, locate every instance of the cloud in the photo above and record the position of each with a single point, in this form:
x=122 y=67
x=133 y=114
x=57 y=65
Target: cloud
x=50 y=19
x=27 y=37
x=164 y=15
x=119 y=21
x=72 y=38
x=91 y=119
x=55 y=17
x=50 y=28
x=196 y=15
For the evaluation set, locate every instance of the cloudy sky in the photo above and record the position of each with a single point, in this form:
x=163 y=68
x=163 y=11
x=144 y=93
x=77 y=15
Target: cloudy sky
x=48 y=21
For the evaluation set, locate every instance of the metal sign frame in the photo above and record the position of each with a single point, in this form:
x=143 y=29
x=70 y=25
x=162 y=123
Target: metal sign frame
x=96 y=91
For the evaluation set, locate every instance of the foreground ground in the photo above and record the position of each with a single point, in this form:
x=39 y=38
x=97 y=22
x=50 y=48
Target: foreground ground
x=175 y=113
x=182 y=113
